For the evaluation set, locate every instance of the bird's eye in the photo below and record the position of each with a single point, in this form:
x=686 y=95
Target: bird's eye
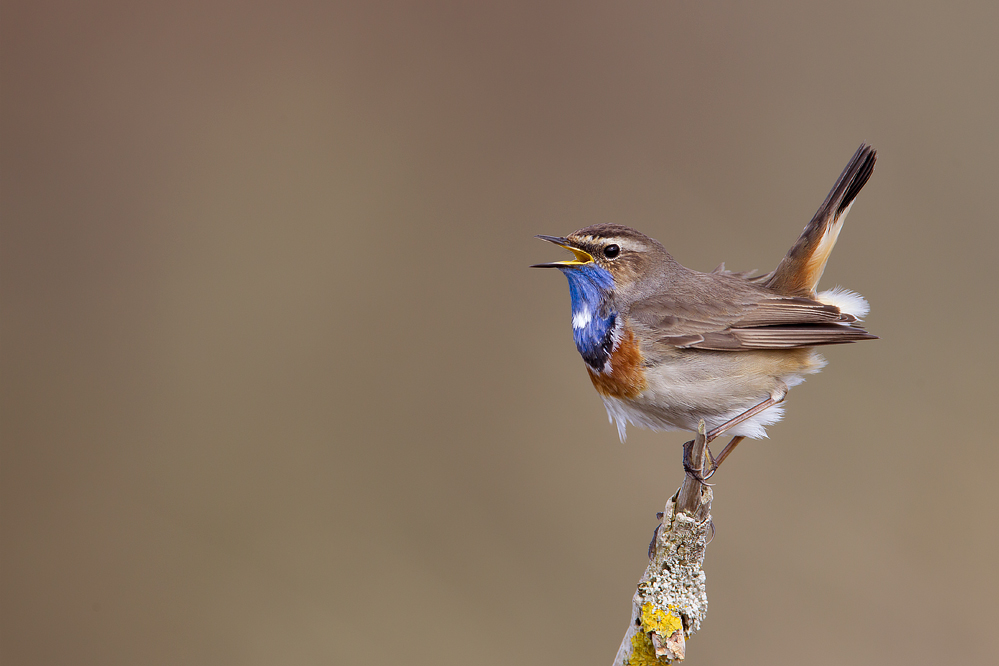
x=611 y=251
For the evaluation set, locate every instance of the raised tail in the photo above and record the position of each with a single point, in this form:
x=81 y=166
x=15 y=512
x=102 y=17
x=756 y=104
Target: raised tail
x=798 y=273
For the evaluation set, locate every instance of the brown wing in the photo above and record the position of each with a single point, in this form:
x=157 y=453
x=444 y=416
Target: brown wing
x=773 y=337
x=726 y=314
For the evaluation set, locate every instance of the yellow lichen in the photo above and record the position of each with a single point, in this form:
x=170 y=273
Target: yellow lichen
x=643 y=653
x=655 y=619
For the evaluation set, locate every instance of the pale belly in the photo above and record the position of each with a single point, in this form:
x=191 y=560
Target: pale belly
x=690 y=385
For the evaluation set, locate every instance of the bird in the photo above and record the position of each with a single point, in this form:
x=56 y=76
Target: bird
x=667 y=347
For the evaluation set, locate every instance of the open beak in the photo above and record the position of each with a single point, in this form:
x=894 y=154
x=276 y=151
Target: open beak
x=580 y=257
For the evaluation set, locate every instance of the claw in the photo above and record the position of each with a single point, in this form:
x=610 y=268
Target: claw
x=688 y=465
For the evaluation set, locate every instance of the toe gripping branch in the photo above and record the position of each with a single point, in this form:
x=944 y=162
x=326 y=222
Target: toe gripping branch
x=671 y=600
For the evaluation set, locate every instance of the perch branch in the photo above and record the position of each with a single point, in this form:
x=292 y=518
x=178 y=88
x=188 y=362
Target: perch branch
x=671 y=601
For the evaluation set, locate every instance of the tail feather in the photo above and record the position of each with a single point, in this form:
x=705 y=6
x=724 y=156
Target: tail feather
x=798 y=273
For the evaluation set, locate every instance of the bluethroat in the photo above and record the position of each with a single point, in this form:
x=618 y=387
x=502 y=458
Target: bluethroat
x=666 y=346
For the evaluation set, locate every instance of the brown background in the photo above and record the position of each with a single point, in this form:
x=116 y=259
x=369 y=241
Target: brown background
x=278 y=386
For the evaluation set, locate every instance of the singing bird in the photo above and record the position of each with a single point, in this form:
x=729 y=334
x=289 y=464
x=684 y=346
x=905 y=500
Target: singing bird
x=666 y=346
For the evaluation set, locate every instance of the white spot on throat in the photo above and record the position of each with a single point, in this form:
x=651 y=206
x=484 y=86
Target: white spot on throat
x=582 y=318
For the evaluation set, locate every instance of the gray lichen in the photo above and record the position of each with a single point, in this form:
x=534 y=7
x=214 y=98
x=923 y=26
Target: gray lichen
x=674 y=581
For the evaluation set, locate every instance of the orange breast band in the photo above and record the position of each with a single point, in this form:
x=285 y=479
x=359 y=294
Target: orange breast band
x=626 y=378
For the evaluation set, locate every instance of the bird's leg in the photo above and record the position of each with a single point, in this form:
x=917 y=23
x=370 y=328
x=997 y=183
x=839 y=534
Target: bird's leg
x=716 y=462
x=774 y=398
x=688 y=464
x=689 y=467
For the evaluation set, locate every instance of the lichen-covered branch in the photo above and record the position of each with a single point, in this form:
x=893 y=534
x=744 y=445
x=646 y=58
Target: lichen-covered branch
x=671 y=600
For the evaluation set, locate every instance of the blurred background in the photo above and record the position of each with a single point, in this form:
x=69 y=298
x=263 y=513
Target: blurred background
x=279 y=387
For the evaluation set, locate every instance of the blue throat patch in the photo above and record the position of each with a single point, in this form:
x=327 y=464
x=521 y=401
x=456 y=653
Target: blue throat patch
x=589 y=288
